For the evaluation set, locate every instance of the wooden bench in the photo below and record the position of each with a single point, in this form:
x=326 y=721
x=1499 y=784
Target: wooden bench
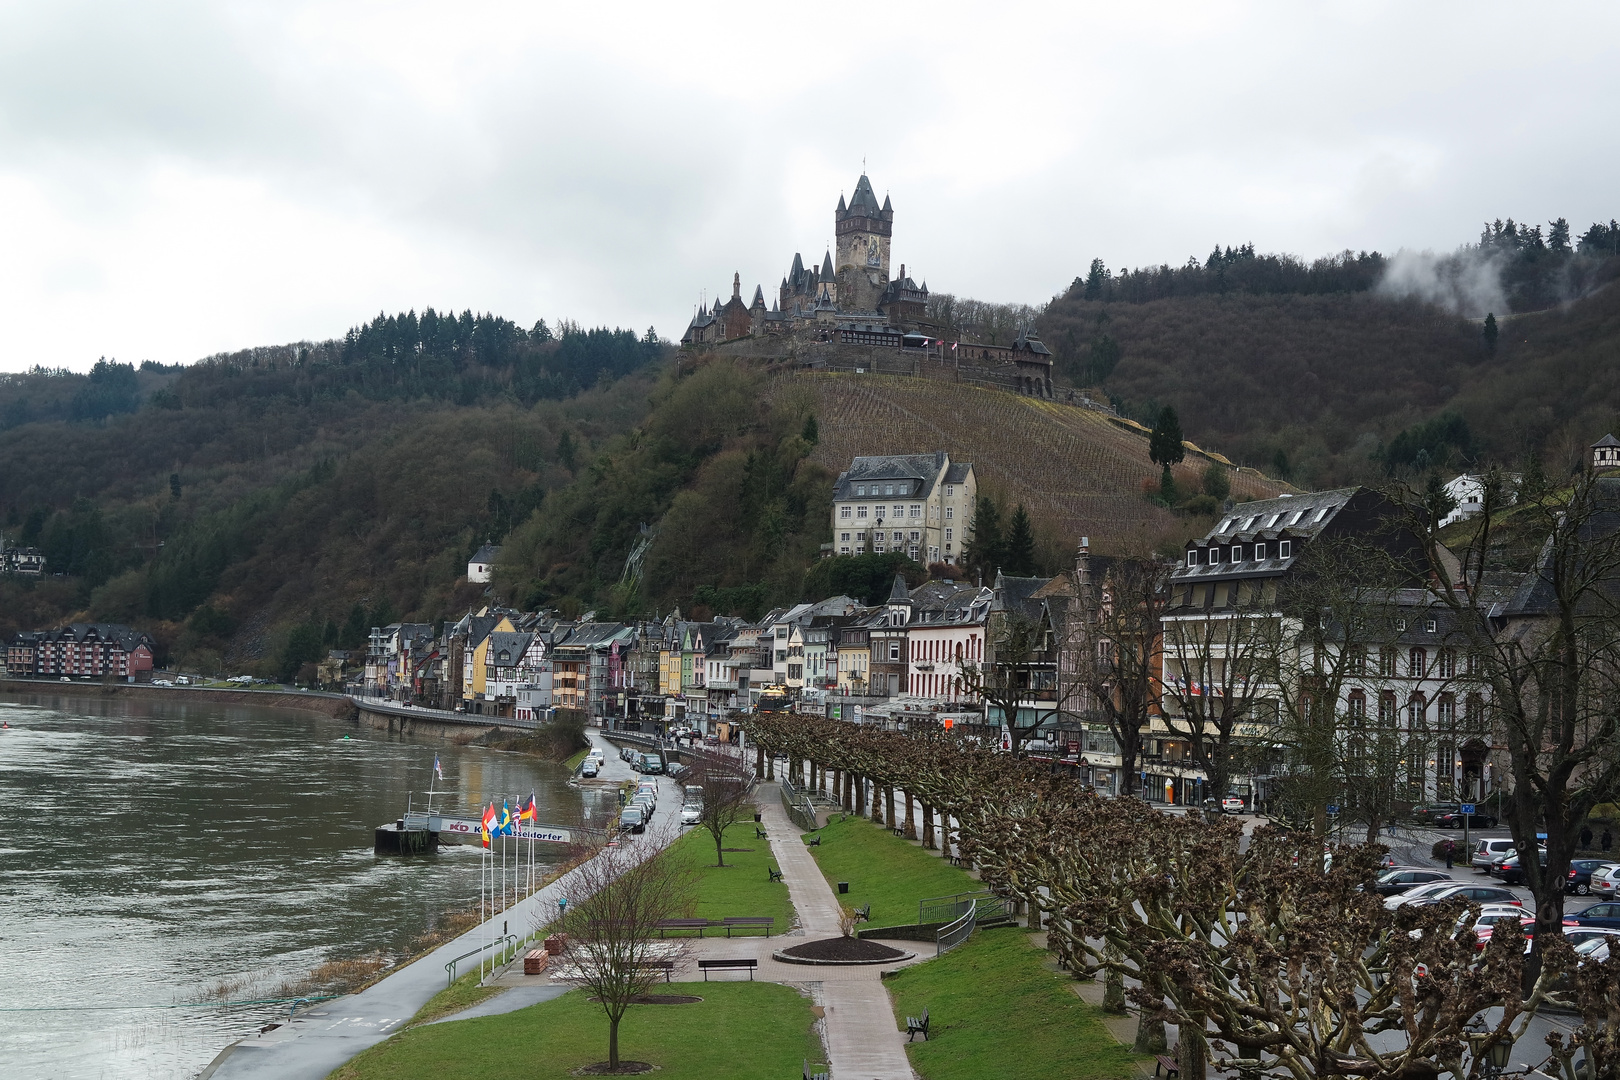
x=808 y=1075
x=775 y=875
x=1170 y=1066
x=666 y=966
x=917 y=1026
x=814 y=841
x=699 y=925
x=863 y=914
x=759 y=833
x=535 y=961
x=743 y=922
x=899 y=830
x=745 y=963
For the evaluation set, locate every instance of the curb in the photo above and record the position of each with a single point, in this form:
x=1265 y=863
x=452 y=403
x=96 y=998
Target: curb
x=784 y=958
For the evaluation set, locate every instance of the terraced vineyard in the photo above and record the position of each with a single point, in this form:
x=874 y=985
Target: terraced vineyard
x=1081 y=470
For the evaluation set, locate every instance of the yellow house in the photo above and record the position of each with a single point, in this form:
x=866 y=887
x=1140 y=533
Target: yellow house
x=476 y=654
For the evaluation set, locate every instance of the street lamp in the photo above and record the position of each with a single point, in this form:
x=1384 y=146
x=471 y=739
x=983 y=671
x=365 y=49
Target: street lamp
x=1495 y=1061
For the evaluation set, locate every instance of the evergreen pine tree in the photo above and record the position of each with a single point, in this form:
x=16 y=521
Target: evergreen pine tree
x=1164 y=448
x=988 y=550
x=812 y=431
x=1020 y=559
x=566 y=451
x=1490 y=332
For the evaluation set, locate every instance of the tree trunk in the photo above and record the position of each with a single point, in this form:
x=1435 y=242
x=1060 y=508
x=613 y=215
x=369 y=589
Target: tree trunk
x=928 y=827
x=1150 y=1038
x=860 y=795
x=911 y=821
x=770 y=767
x=719 y=850
x=838 y=786
x=613 y=1043
x=1113 y=983
x=945 y=833
x=759 y=760
x=1193 y=1056
x=821 y=780
x=882 y=805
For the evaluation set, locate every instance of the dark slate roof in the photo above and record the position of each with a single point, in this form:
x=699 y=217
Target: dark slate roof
x=944 y=604
x=486 y=554
x=1028 y=342
x=898 y=592
x=1266 y=519
x=759 y=296
x=1607 y=440
x=514 y=644
x=923 y=468
x=1535 y=594
x=479 y=627
x=826 y=266
x=958 y=472
x=1017 y=594
x=864 y=202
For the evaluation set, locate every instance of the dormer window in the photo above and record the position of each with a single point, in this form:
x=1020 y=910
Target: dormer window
x=1192 y=558
x=860 y=490
x=1237 y=552
x=1285 y=549
x=1259 y=552
x=1214 y=555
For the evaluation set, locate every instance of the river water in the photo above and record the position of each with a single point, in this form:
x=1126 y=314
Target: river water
x=169 y=852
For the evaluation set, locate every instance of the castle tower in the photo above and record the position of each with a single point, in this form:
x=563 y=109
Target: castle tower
x=863 y=229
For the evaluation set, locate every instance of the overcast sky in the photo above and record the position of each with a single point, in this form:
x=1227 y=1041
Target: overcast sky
x=178 y=179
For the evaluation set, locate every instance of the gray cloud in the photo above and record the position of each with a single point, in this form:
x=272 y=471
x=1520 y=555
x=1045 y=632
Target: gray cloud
x=181 y=178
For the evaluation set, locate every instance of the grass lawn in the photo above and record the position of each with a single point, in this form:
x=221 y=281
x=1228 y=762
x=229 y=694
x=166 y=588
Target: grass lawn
x=743 y=885
x=739 y=1031
x=461 y=994
x=995 y=1011
x=885 y=871
x=575 y=759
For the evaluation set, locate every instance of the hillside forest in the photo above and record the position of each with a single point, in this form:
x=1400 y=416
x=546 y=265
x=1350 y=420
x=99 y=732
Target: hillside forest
x=255 y=508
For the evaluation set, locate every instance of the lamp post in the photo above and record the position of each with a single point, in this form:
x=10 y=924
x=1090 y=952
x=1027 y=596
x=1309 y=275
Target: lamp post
x=1496 y=1055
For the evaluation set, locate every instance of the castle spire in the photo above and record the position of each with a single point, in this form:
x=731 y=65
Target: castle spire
x=736 y=286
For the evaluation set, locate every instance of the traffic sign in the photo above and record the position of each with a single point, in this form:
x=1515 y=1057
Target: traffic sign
x=1468 y=808
x=1332 y=810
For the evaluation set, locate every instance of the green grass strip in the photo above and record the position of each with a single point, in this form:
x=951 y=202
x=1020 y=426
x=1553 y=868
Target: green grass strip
x=885 y=871
x=464 y=993
x=739 y=1031
x=995 y=1010
x=743 y=885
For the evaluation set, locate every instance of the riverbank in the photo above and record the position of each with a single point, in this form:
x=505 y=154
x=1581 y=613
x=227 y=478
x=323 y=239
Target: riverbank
x=332 y=706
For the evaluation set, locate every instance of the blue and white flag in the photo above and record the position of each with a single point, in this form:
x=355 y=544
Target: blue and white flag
x=437 y=769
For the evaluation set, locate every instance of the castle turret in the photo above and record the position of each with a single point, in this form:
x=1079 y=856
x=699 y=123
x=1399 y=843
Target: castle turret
x=863 y=229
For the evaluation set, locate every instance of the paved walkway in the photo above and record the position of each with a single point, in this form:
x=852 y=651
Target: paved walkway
x=329 y=1034
x=863 y=1041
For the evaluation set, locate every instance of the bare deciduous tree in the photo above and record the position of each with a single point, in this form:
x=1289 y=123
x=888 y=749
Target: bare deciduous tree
x=621 y=896
x=726 y=798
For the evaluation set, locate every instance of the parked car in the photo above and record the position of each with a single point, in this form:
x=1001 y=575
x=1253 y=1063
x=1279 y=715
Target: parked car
x=1606 y=882
x=1476 y=820
x=675 y=770
x=631 y=819
x=691 y=814
x=1510 y=870
x=1579 y=878
x=627 y=754
x=1427 y=812
x=1601 y=914
x=1418 y=891
x=1479 y=894
x=1488 y=851
x=1402 y=878
x=588 y=769
x=1232 y=804
x=1490 y=916
x=650 y=763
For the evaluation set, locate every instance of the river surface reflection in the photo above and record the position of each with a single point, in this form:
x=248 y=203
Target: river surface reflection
x=154 y=852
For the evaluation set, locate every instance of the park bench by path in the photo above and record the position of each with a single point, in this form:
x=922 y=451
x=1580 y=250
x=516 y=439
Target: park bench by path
x=759 y=833
x=863 y=914
x=917 y=1026
x=814 y=841
x=666 y=966
x=742 y=963
x=775 y=875
x=808 y=1075
x=699 y=925
x=743 y=922
x=1170 y=1066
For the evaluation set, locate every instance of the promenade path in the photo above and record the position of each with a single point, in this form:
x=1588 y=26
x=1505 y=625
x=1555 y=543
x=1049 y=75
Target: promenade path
x=329 y=1034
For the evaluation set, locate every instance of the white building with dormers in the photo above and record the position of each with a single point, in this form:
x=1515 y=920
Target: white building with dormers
x=919 y=504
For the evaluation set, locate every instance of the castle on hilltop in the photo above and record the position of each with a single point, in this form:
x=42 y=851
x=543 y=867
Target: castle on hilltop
x=854 y=305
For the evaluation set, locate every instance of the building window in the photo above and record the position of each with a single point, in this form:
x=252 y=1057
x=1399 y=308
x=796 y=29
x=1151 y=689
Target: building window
x=1237 y=552
x=843 y=537
x=1355 y=662
x=843 y=512
x=860 y=511
x=933 y=553
x=860 y=490
x=1259 y=552
x=1400 y=624
x=1386 y=663
x=916 y=510
x=950 y=491
x=894 y=650
x=877 y=549
x=844 y=550
x=1192 y=558
x=950 y=511
x=888 y=489
x=1445 y=713
x=1417 y=662
x=899 y=512
x=1214 y=555
x=915 y=536
x=1447 y=663
x=949 y=533
x=1428 y=626
x=1358 y=708
x=1285 y=549
x=1386 y=710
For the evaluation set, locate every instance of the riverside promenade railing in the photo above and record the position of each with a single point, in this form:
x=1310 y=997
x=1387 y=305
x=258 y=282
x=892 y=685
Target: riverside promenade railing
x=390 y=707
x=953 y=934
x=798 y=806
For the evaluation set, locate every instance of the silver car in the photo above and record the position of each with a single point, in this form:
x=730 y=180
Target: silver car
x=1606 y=882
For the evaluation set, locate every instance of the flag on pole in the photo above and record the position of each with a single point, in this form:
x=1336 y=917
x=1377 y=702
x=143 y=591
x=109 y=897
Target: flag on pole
x=528 y=811
x=438 y=770
x=506 y=819
x=488 y=822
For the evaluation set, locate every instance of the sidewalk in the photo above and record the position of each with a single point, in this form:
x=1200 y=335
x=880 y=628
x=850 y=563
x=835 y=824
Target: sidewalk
x=863 y=1041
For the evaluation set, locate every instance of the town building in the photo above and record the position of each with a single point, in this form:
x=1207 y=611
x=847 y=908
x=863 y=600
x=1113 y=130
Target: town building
x=82 y=650
x=482 y=564
x=22 y=561
x=920 y=504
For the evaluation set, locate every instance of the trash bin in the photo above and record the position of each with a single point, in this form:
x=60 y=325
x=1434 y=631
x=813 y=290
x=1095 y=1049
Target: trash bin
x=843 y=886
x=758 y=818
